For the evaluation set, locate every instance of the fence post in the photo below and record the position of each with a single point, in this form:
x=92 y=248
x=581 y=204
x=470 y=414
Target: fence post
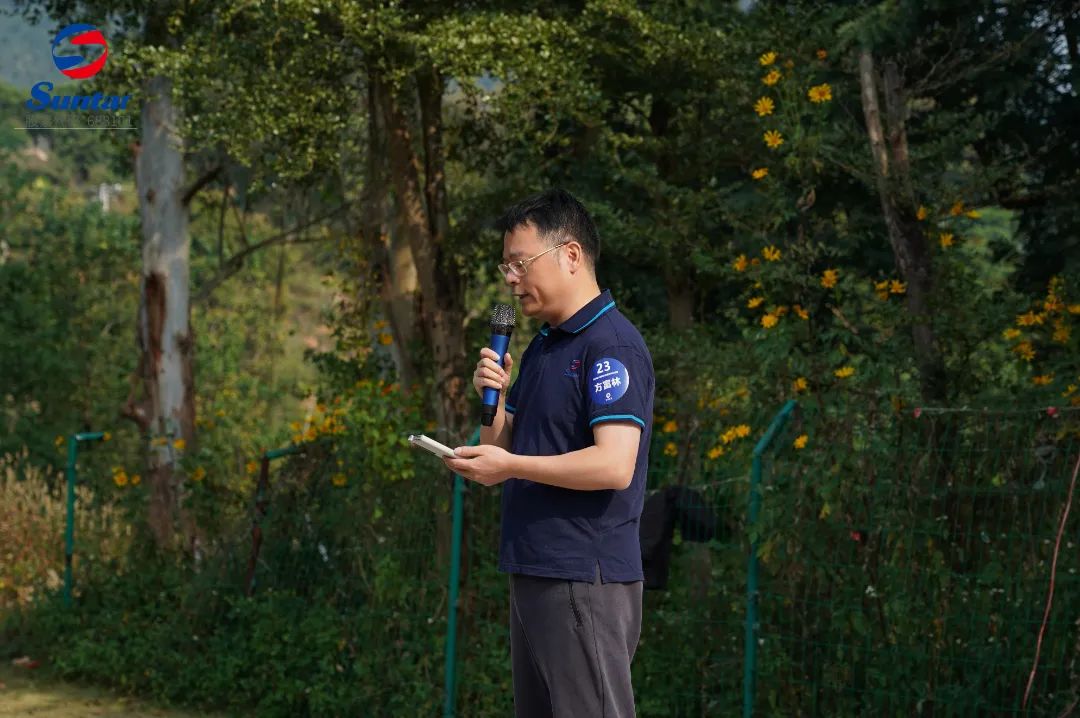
x=69 y=528
x=750 y=641
x=457 y=529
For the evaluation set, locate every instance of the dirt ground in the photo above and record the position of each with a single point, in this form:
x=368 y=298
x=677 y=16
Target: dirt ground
x=24 y=693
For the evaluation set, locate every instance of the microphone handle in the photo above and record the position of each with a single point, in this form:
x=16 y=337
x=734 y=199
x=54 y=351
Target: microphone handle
x=499 y=344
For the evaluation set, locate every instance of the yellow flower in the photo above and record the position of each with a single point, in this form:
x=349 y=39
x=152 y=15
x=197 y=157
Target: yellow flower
x=220 y=413
x=769 y=321
x=740 y=263
x=972 y=214
x=1030 y=319
x=920 y=213
x=1011 y=333
x=135 y=479
x=1070 y=389
x=670 y=426
x=106 y=436
x=1061 y=333
x=252 y=466
x=946 y=239
x=1025 y=350
x=120 y=478
x=386 y=339
x=881 y=289
x=897 y=287
x=764 y=106
x=1074 y=309
x=820 y=93
x=771 y=254
x=800 y=442
x=767 y=59
x=821 y=54
x=179 y=444
x=772 y=77
x=803 y=314
x=780 y=311
x=829 y=278
x=198 y=474
x=670 y=449
x=844 y=372
x=59 y=441
x=800 y=384
x=754 y=302
x=773 y=139
x=1053 y=304
x=715 y=453
x=728 y=436
x=338 y=479
x=957 y=209
x=742 y=431
x=1042 y=379
x=159 y=441
x=380 y=324
x=760 y=173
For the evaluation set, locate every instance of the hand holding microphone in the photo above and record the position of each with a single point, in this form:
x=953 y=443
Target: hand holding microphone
x=490 y=378
x=490 y=373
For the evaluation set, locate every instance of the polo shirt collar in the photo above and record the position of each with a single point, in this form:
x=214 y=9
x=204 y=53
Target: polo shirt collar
x=585 y=316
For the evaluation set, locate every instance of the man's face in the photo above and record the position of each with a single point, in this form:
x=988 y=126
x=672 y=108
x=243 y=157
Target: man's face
x=542 y=284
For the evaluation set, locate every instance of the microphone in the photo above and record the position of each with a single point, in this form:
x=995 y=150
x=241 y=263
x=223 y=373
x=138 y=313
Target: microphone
x=502 y=324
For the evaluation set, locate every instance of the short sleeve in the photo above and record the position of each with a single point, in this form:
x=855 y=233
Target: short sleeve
x=619 y=386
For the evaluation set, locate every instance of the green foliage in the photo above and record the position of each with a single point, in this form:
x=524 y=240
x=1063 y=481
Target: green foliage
x=749 y=289
x=68 y=279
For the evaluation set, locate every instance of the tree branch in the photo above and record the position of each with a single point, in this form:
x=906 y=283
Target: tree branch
x=236 y=262
x=200 y=183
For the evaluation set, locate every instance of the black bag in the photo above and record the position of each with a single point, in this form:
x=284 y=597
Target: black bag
x=663 y=508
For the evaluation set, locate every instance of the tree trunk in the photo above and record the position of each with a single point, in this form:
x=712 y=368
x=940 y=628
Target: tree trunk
x=441 y=311
x=892 y=170
x=423 y=220
x=390 y=249
x=164 y=326
x=680 y=302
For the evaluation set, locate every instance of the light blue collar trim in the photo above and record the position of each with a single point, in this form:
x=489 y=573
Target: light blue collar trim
x=606 y=307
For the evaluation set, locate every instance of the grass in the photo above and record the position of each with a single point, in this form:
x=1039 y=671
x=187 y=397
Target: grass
x=27 y=692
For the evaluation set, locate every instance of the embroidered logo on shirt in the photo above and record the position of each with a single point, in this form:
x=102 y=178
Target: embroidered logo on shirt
x=572 y=370
x=609 y=380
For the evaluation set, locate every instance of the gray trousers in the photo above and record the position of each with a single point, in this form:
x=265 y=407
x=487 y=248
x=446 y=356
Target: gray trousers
x=571 y=644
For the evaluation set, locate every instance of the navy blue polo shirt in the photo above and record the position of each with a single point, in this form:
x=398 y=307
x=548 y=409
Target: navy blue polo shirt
x=594 y=367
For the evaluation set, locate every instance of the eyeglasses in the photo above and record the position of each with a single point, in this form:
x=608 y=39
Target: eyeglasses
x=518 y=267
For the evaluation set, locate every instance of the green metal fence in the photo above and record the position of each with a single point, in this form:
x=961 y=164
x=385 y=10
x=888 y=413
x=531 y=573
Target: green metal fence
x=904 y=562
x=865 y=561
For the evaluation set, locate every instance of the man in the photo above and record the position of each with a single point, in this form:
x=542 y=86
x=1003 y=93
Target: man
x=570 y=445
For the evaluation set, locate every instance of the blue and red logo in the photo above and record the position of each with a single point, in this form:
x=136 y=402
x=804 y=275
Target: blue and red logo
x=572 y=370
x=73 y=65
x=77 y=67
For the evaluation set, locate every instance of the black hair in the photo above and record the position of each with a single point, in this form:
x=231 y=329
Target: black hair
x=558 y=217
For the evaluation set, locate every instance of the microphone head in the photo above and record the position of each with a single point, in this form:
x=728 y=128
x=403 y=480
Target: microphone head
x=502 y=316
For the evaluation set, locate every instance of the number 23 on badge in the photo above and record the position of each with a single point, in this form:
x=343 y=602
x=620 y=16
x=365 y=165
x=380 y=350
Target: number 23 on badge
x=608 y=380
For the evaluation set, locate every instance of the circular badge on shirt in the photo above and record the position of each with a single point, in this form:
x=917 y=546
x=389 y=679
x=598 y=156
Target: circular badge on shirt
x=608 y=380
